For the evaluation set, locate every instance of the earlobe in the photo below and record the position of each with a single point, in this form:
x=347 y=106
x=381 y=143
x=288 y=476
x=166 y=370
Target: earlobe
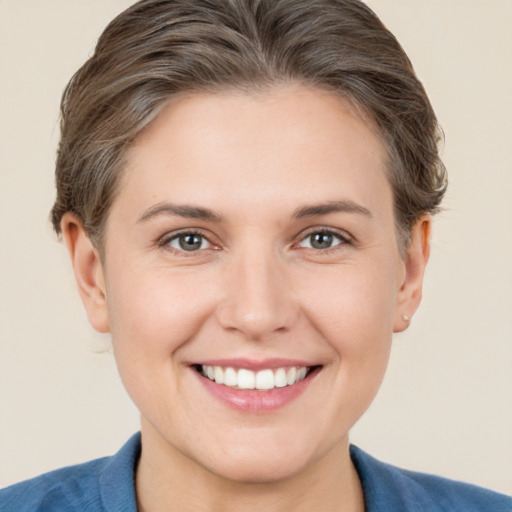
x=88 y=271
x=416 y=259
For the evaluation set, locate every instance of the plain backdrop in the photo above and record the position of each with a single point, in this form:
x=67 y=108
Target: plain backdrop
x=446 y=403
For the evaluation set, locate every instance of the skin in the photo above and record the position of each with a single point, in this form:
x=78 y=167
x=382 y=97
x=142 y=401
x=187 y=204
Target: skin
x=257 y=288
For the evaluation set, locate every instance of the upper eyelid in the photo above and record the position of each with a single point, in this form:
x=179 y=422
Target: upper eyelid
x=171 y=235
x=344 y=235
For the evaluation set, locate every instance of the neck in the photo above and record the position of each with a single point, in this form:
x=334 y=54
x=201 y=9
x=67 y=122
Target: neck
x=169 y=481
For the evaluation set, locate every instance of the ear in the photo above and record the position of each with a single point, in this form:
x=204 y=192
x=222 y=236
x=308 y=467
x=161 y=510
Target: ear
x=88 y=271
x=416 y=259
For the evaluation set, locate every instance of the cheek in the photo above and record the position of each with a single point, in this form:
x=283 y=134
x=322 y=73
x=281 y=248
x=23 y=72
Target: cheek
x=351 y=305
x=353 y=310
x=153 y=313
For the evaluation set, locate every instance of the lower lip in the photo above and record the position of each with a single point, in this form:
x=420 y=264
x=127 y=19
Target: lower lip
x=255 y=401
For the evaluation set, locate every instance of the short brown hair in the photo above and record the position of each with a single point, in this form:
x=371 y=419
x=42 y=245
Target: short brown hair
x=159 y=48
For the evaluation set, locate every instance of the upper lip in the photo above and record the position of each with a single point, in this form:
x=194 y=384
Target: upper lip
x=254 y=364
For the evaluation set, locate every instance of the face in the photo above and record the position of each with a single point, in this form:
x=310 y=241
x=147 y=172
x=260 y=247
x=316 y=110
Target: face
x=252 y=244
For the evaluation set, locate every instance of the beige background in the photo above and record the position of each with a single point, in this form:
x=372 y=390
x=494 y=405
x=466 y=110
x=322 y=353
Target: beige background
x=445 y=406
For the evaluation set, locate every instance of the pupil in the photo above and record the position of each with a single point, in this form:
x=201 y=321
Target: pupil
x=321 y=240
x=190 y=242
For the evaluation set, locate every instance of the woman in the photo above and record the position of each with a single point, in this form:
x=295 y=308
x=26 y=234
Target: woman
x=245 y=190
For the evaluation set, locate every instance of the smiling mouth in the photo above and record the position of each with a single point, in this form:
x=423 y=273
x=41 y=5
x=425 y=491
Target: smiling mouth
x=262 y=380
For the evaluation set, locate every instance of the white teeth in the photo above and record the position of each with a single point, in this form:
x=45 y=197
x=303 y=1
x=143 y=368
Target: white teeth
x=280 y=378
x=219 y=375
x=230 y=377
x=265 y=379
x=262 y=380
x=245 y=379
x=291 y=376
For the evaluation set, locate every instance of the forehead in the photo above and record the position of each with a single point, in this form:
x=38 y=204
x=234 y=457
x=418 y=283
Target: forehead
x=284 y=145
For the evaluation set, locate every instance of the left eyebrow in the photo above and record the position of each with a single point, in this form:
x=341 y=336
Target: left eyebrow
x=331 y=207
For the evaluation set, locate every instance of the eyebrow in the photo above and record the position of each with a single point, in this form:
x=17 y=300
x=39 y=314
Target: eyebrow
x=331 y=207
x=198 y=212
x=190 y=212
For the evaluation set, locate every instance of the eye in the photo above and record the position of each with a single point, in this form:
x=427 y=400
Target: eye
x=189 y=242
x=322 y=240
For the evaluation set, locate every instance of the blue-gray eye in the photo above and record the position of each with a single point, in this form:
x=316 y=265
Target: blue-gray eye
x=321 y=240
x=189 y=242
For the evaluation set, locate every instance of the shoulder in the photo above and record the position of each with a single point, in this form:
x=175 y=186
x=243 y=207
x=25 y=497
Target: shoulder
x=70 y=488
x=388 y=488
x=95 y=486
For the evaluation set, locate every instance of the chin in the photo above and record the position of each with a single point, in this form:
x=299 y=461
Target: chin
x=257 y=469
x=261 y=461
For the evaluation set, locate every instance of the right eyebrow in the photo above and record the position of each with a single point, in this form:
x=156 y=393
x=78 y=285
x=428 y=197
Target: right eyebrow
x=181 y=210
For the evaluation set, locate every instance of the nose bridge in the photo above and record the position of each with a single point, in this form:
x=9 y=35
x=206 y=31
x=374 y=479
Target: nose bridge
x=259 y=300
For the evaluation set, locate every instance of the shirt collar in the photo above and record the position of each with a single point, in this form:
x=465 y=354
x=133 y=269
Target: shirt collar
x=385 y=488
x=117 y=479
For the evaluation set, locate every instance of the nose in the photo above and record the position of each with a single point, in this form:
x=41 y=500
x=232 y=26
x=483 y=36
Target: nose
x=258 y=300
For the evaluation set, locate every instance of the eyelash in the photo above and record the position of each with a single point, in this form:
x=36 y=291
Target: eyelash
x=166 y=240
x=343 y=238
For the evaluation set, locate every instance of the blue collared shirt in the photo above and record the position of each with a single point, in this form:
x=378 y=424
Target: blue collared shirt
x=107 y=485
